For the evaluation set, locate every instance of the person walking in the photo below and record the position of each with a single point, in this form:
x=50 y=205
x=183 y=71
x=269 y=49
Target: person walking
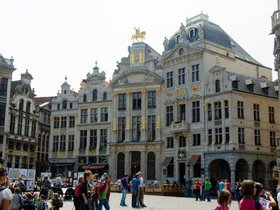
x=197 y=186
x=207 y=187
x=221 y=186
x=104 y=192
x=134 y=188
x=141 y=191
x=58 y=181
x=124 y=189
x=84 y=200
x=5 y=193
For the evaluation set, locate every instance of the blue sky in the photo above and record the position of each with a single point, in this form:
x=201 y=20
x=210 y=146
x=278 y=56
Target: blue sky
x=54 y=39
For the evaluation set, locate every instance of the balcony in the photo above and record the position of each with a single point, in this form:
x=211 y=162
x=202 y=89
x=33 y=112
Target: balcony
x=275 y=20
x=179 y=127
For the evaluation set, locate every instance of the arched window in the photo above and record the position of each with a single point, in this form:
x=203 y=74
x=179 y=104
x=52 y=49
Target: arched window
x=64 y=104
x=20 y=107
x=105 y=96
x=120 y=165
x=177 y=38
x=28 y=105
x=217 y=86
x=193 y=32
x=84 y=98
x=151 y=165
x=94 y=95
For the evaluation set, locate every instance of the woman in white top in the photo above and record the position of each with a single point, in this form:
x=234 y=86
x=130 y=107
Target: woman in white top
x=5 y=193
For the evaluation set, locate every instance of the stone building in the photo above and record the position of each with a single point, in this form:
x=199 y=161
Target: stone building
x=6 y=71
x=23 y=125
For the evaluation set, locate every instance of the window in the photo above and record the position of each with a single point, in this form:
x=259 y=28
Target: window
x=56 y=122
x=20 y=107
x=27 y=126
x=64 y=104
x=83 y=139
x=196 y=139
x=136 y=100
x=250 y=87
x=182 y=141
x=12 y=123
x=271 y=114
x=84 y=98
x=217 y=86
x=151 y=166
x=58 y=106
x=103 y=137
x=181 y=76
x=136 y=132
x=3 y=86
x=227 y=135
x=182 y=113
x=19 y=130
x=195 y=73
x=241 y=136
x=71 y=105
x=62 y=143
x=122 y=101
x=151 y=127
x=28 y=106
x=84 y=113
x=71 y=142
x=169 y=142
x=272 y=139
x=169 y=115
x=94 y=95
x=258 y=137
x=105 y=96
x=234 y=84
x=121 y=129
x=71 y=121
x=218 y=135
x=169 y=79
x=104 y=114
x=55 y=143
x=94 y=115
x=226 y=109
x=209 y=111
x=18 y=146
x=152 y=99
x=177 y=38
x=240 y=109
x=63 y=122
x=93 y=139
x=195 y=111
x=218 y=110
x=193 y=32
x=256 y=112
x=210 y=136
x=2 y=115
x=33 y=128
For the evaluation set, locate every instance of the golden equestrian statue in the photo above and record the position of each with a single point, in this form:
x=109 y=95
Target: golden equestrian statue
x=139 y=35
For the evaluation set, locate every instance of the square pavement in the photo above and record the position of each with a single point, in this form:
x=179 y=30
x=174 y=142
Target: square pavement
x=154 y=202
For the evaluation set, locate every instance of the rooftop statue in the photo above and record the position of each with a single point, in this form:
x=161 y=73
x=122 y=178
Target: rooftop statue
x=139 y=35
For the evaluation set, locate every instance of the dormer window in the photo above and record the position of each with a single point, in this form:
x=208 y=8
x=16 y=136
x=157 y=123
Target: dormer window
x=104 y=96
x=177 y=38
x=217 y=86
x=94 y=95
x=64 y=92
x=193 y=32
x=84 y=98
x=64 y=104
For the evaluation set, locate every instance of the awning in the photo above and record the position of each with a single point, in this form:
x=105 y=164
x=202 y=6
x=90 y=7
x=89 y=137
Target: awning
x=94 y=166
x=167 y=160
x=193 y=160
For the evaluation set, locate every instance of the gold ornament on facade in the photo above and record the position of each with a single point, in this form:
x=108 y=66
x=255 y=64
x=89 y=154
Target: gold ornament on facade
x=114 y=124
x=132 y=58
x=142 y=57
x=196 y=88
x=181 y=92
x=158 y=122
x=143 y=122
x=169 y=94
x=139 y=35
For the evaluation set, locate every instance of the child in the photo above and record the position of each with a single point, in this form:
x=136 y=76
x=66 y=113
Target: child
x=224 y=200
x=248 y=190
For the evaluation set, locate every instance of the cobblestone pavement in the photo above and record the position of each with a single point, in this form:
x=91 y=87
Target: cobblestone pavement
x=159 y=203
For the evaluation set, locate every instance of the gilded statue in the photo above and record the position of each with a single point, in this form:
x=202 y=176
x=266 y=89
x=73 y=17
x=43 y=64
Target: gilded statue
x=139 y=35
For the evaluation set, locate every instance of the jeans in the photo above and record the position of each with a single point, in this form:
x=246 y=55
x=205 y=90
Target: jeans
x=105 y=203
x=124 y=193
x=197 y=194
x=207 y=195
x=134 y=198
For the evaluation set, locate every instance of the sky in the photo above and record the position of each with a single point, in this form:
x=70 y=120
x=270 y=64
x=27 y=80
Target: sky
x=55 y=39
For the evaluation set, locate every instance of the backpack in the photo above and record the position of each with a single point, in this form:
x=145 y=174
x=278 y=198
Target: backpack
x=58 y=203
x=78 y=190
x=44 y=206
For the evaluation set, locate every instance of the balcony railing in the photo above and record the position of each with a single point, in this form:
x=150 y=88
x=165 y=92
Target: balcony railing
x=179 y=127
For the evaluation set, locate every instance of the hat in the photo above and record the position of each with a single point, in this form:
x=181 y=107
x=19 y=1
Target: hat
x=3 y=171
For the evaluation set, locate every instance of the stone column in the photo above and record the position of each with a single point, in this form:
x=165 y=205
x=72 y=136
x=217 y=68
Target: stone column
x=232 y=176
x=143 y=164
x=158 y=165
x=250 y=171
x=127 y=163
x=158 y=115
x=143 y=115
x=114 y=114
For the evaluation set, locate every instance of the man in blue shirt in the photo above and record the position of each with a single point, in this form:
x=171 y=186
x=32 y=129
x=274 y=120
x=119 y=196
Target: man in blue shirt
x=135 y=182
x=124 y=188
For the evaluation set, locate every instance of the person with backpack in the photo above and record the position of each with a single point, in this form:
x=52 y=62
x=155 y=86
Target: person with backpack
x=43 y=205
x=78 y=193
x=104 y=192
x=28 y=202
x=85 y=188
x=56 y=202
x=45 y=186
x=16 y=202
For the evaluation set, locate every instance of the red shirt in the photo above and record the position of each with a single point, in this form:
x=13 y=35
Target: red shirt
x=197 y=185
x=228 y=186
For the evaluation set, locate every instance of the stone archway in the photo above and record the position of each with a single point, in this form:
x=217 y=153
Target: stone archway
x=258 y=172
x=219 y=169
x=241 y=170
